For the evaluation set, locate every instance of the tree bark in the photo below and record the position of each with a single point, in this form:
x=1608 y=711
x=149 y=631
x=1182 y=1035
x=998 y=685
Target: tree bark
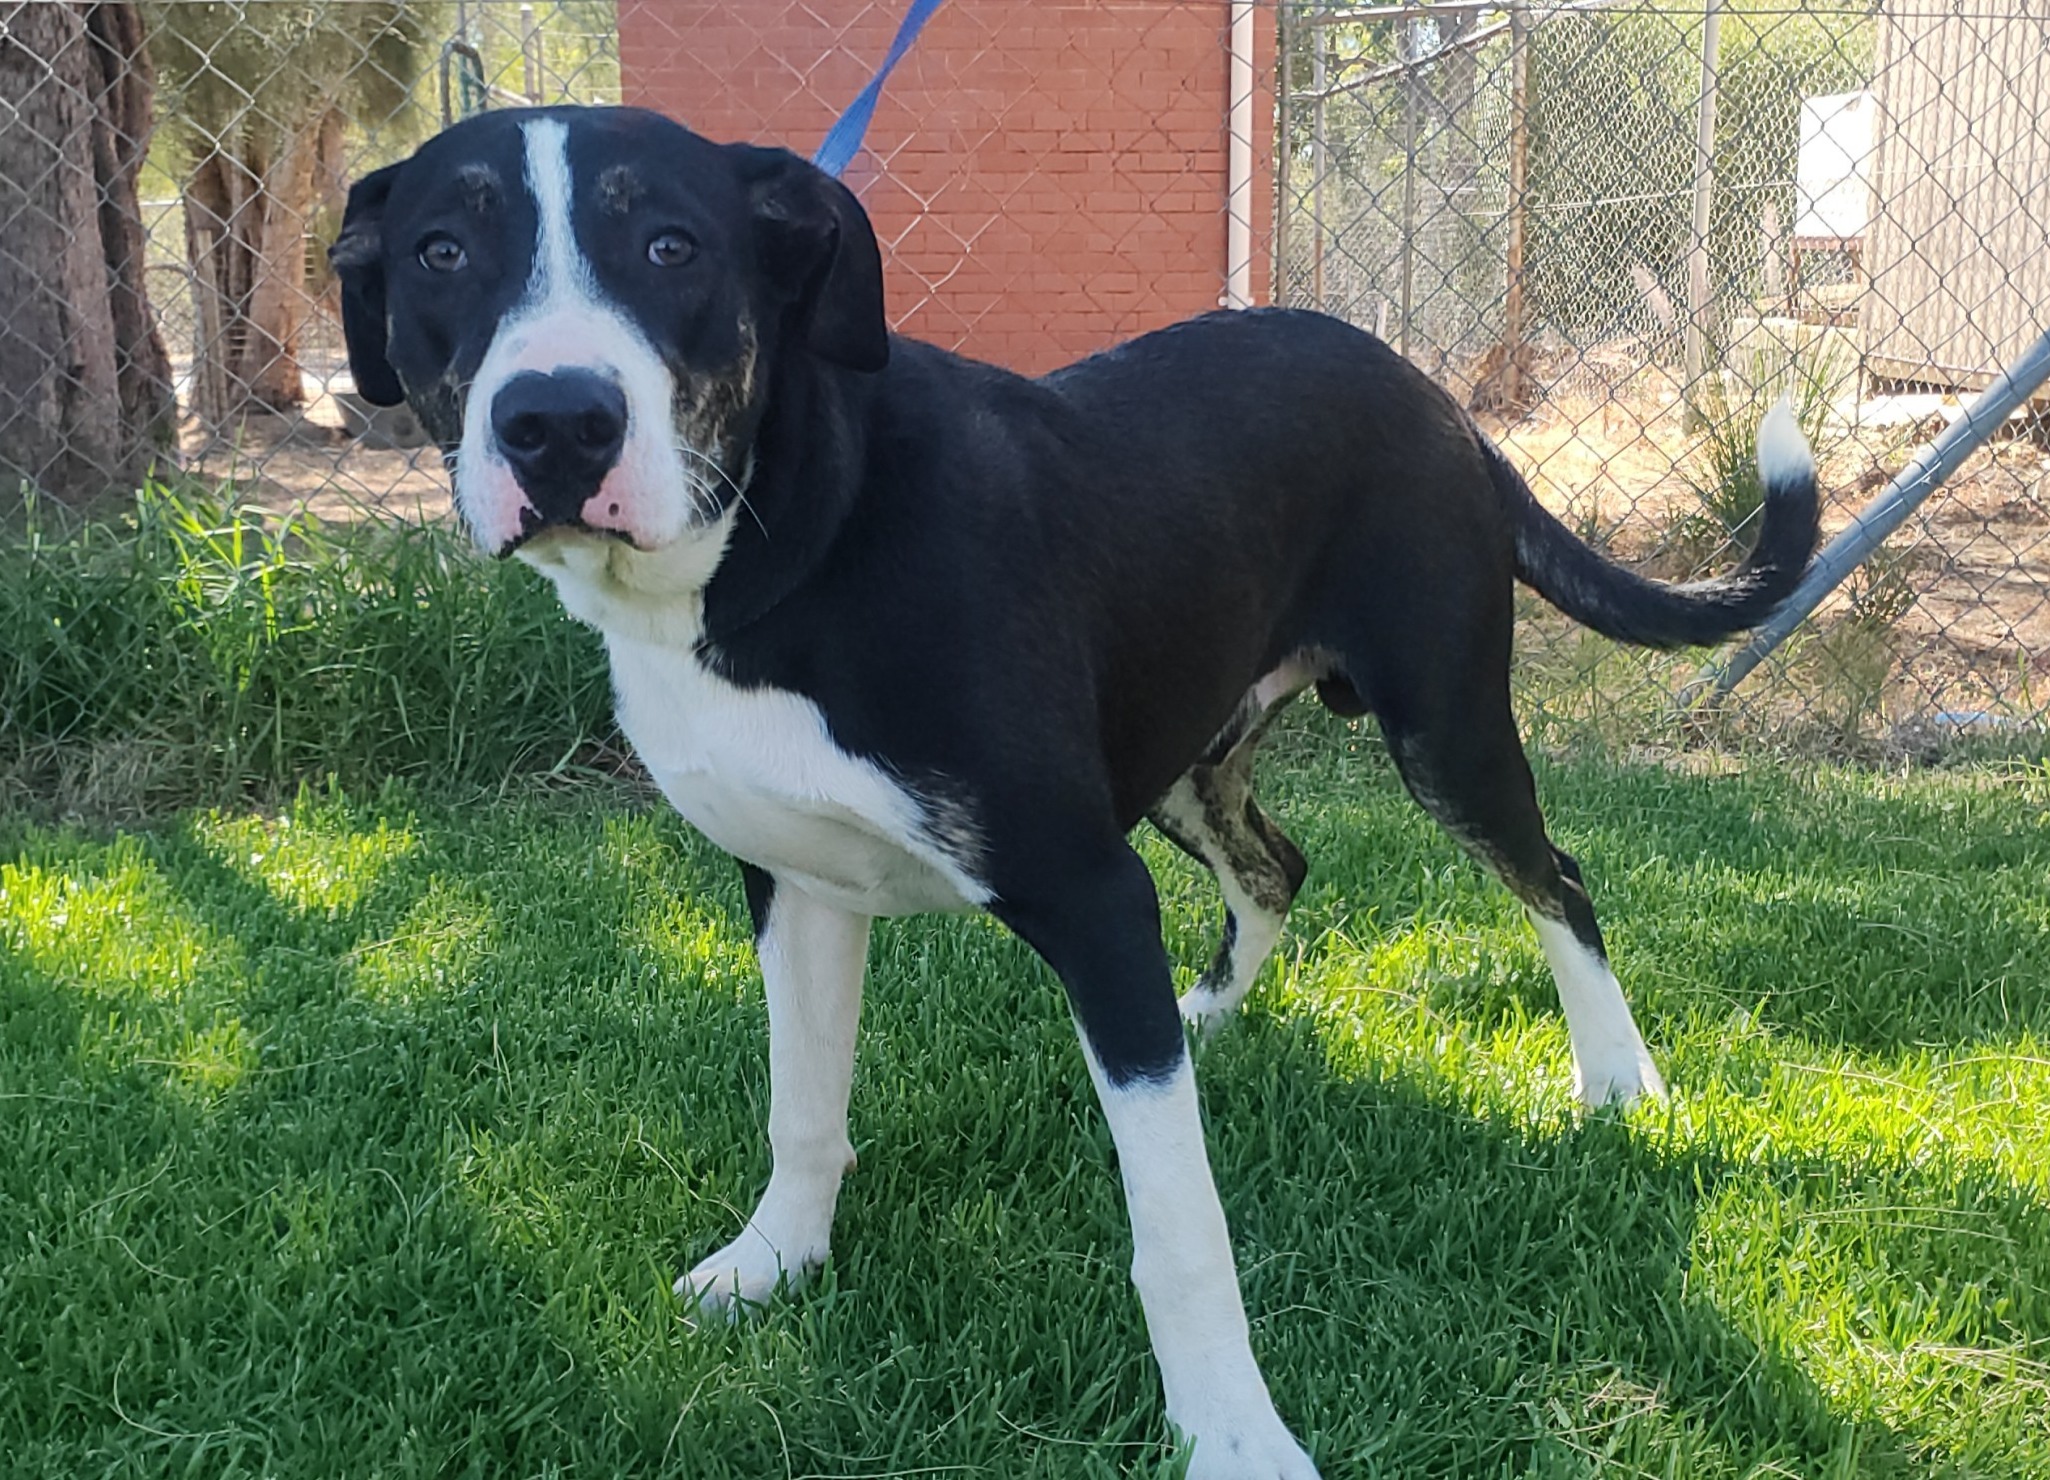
x=85 y=387
x=329 y=202
x=246 y=217
x=121 y=135
x=277 y=301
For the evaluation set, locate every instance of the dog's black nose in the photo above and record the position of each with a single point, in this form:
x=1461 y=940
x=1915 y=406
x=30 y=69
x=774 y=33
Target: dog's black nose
x=560 y=433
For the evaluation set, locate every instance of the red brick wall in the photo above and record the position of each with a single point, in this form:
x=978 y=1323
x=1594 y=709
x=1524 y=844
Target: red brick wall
x=1047 y=176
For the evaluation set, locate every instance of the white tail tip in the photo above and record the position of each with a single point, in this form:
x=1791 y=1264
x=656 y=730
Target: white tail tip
x=1784 y=457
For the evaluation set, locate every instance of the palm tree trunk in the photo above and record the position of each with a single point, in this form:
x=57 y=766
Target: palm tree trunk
x=277 y=294
x=246 y=218
x=85 y=399
x=121 y=134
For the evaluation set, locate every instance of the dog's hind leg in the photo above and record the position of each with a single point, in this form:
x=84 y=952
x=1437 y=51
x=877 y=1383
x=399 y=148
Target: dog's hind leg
x=1464 y=763
x=1210 y=814
x=812 y=957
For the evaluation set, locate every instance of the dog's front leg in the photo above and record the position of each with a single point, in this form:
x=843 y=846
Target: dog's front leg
x=812 y=957
x=1099 y=928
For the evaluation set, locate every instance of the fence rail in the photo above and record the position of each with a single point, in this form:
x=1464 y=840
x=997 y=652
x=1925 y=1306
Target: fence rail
x=1617 y=229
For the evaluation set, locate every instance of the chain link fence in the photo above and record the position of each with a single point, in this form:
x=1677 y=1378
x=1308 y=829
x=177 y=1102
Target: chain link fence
x=1617 y=230
x=1621 y=230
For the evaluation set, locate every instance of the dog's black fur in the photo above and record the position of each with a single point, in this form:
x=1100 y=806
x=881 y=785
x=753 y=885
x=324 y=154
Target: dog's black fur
x=1040 y=606
x=1064 y=588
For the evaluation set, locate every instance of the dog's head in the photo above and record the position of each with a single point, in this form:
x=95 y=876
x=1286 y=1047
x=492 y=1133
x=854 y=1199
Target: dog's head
x=585 y=307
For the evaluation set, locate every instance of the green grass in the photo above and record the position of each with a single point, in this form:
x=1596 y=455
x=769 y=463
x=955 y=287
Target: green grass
x=199 y=647
x=363 y=1136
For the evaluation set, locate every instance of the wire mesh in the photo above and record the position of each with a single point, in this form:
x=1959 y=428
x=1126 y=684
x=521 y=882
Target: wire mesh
x=1621 y=230
x=1617 y=230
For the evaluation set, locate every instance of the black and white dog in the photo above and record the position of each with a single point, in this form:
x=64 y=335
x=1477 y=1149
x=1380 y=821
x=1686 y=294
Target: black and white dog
x=904 y=632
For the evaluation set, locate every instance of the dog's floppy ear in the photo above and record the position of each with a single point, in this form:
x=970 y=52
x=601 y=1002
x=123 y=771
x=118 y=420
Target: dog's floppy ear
x=817 y=246
x=358 y=260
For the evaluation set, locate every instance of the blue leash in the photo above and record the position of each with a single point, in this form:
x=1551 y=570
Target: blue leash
x=843 y=140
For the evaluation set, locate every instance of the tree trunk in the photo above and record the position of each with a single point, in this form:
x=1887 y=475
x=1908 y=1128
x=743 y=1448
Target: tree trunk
x=329 y=201
x=85 y=393
x=277 y=299
x=121 y=135
x=246 y=218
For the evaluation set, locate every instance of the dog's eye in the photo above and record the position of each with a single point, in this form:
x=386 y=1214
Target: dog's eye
x=443 y=254
x=671 y=249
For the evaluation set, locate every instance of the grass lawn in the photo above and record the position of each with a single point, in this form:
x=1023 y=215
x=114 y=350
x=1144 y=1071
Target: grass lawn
x=364 y=1138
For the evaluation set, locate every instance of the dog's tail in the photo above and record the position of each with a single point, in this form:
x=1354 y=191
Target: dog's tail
x=1619 y=603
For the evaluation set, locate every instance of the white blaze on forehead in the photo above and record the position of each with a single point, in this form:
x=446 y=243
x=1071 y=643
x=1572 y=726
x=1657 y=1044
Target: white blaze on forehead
x=559 y=267
x=560 y=284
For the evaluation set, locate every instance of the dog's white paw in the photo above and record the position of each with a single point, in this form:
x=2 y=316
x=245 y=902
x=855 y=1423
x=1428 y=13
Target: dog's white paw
x=1618 y=1074
x=1248 y=1447
x=747 y=1272
x=1206 y=1011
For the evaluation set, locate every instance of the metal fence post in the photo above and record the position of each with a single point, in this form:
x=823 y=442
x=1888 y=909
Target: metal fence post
x=1319 y=165
x=1412 y=79
x=1698 y=302
x=1284 y=148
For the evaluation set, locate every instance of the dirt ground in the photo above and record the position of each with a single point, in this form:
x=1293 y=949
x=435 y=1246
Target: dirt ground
x=310 y=462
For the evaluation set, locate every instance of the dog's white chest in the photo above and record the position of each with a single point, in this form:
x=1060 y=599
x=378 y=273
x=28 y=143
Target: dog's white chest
x=757 y=772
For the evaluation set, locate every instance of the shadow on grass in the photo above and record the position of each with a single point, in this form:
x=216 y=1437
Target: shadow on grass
x=493 y=1080
x=1875 y=912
